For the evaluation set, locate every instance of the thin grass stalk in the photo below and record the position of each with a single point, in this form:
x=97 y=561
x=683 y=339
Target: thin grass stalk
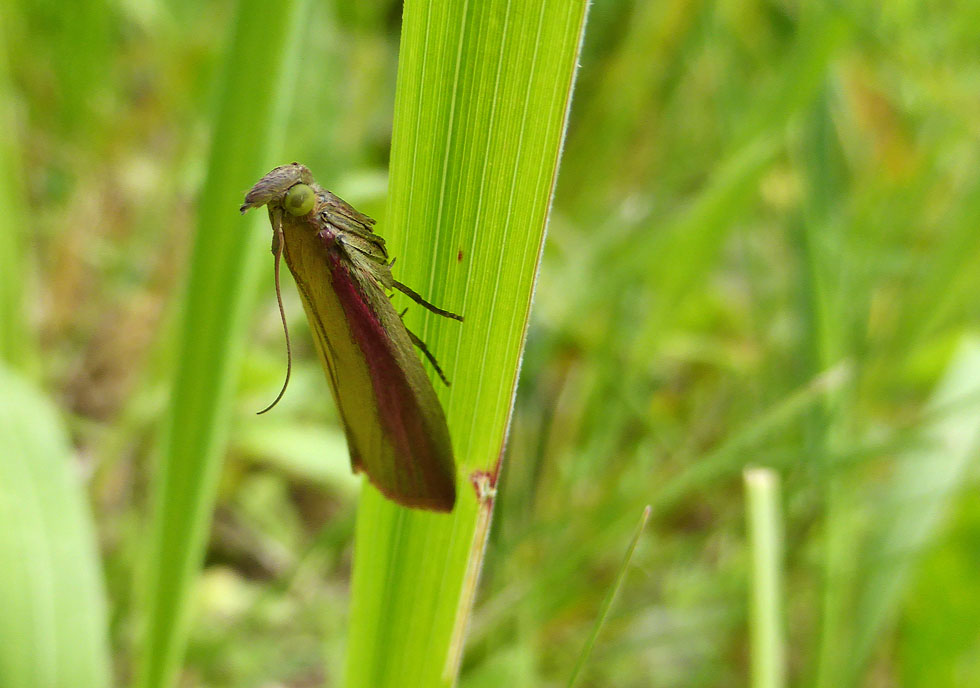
x=766 y=644
x=607 y=603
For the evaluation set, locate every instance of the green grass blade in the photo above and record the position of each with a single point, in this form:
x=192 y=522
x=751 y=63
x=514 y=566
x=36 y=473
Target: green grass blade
x=766 y=645
x=610 y=597
x=930 y=476
x=53 y=627
x=482 y=96
x=250 y=116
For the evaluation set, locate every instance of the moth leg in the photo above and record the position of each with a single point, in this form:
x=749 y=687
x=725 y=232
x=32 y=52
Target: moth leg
x=428 y=354
x=414 y=296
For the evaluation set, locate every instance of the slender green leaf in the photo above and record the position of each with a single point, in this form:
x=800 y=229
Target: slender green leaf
x=930 y=476
x=253 y=104
x=482 y=98
x=610 y=597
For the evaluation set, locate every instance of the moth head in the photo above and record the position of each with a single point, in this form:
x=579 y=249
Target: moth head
x=277 y=184
x=299 y=200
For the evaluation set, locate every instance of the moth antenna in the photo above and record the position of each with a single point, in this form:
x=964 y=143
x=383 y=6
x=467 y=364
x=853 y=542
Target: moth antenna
x=417 y=298
x=285 y=328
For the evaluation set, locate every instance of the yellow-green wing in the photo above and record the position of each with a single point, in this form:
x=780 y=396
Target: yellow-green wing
x=395 y=426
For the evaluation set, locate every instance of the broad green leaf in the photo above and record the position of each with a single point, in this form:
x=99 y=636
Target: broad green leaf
x=53 y=624
x=481 y=103
x=313 y=453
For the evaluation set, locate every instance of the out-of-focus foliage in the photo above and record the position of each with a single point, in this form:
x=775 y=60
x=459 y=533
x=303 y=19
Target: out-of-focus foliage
x=763 y=250
x=54 y=626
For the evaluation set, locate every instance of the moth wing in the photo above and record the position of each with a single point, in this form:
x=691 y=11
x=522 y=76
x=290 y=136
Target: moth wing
x=394 y=423
x=338 y=206
x=328 y=358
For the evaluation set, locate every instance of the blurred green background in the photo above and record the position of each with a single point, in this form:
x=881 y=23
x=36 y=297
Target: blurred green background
x=764 y=251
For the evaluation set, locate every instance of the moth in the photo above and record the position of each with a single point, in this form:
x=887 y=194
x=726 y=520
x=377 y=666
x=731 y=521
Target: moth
x=396 y=429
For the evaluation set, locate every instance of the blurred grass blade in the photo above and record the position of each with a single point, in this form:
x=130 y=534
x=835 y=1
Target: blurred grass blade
x=250 y=115
x=729 y=456
x=930 y=476
x=481 y=103
x=14 y=347
x=82 y=54
x=766 y=647
x=53 y=624
x=627 y=98
x=691 y=243
x=689 y=246
x=610 y=597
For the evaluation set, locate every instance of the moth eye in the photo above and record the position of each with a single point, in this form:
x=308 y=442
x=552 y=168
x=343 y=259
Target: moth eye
x=300 y=199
